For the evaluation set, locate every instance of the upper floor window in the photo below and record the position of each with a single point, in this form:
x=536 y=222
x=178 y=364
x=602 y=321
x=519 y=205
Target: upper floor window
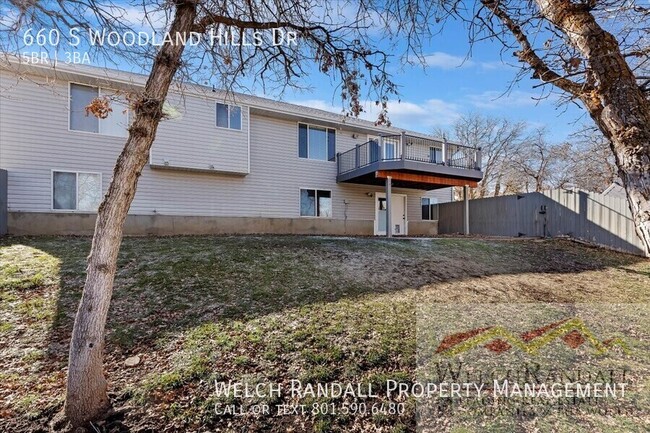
x=228 y=116
x=316 y=143
x=115 y=124
x=76 y=190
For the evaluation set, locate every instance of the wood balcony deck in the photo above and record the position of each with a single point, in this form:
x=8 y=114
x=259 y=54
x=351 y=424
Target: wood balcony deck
x=411 y=162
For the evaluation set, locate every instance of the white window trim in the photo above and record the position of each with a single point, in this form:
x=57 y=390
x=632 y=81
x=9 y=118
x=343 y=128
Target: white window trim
x=315 y=189
x=99 y=94
x=241 y=117
x=309 y=125
x=432 y=201
x=428 y=205
x=77 y=173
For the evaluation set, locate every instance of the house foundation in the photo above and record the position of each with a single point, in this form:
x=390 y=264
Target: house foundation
x=37 y=223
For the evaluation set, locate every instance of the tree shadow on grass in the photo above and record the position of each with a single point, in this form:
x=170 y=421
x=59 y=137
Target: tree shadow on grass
x=166 y=285
x=174 y=282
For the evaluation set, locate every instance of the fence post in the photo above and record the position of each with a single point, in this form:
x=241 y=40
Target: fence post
x=478 y=159
x=402 y=140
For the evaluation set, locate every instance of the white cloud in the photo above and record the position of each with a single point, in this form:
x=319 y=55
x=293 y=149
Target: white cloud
x=498 y=64
x=422 y=117
x=319 y=104
x=442 y=60
x=8 y=17
x=137 y=17
x=494 y=99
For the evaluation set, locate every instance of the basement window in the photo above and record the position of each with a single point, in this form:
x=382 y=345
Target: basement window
x=315 y=203
x=429 y=208
x=78 y=191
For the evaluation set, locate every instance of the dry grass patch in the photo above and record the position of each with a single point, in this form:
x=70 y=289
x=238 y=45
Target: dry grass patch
x=262 y=309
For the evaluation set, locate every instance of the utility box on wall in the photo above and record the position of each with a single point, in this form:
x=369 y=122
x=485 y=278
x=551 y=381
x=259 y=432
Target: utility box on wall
x=3 y=202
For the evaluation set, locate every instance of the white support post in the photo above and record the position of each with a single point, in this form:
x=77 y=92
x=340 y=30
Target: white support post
x=444 y=151
x=466 y=207
x=389 y=181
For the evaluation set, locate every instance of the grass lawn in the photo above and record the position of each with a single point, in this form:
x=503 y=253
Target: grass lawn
x=272 y=309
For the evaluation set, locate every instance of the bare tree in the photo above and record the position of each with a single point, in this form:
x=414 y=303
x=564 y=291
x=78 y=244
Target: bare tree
x=517 y=159
x=337 y=42
x=590 y=164
x=538 y=164
x=596 y=53
x=498 y=139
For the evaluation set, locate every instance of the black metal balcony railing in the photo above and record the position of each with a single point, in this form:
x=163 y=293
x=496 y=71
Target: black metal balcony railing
x=409 y=148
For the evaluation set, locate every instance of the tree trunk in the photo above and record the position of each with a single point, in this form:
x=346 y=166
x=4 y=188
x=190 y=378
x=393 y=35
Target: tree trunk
x=617 y=105
x=481 y=191
x=497 y=186
x=86 y=395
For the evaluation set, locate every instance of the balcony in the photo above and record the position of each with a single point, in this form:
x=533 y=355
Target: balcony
x=411 y=162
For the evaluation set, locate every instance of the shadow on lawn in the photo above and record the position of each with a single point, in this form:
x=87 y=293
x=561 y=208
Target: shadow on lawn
x=170 y=284
x=167 y=284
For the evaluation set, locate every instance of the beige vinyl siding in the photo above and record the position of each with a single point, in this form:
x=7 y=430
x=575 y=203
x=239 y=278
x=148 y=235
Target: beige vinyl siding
x=444 y=195
x=272 y=189
x=194 y=141
x=34 y=140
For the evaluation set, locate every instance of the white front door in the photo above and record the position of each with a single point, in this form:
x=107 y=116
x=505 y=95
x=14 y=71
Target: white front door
x=398 y=214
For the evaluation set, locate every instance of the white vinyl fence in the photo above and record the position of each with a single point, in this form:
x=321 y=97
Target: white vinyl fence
x=589 y=216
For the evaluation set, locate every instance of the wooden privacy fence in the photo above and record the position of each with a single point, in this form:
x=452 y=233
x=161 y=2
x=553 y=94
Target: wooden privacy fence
x=589 y=216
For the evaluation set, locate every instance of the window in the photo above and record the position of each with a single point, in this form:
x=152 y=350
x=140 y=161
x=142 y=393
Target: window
x=429 y=208
x=115 y=124
x=228 y=116
x=80 y=98
x=76 y=190
x=316 y=143
x=315 y=203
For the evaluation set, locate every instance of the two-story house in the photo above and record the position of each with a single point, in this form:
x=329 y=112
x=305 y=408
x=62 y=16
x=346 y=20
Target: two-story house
x=220 y=163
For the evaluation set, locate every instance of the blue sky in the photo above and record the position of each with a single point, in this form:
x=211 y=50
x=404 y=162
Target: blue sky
x=452 y=84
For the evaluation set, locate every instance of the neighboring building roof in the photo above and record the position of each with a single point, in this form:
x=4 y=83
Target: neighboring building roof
x=616 y=189
x=103 y=76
